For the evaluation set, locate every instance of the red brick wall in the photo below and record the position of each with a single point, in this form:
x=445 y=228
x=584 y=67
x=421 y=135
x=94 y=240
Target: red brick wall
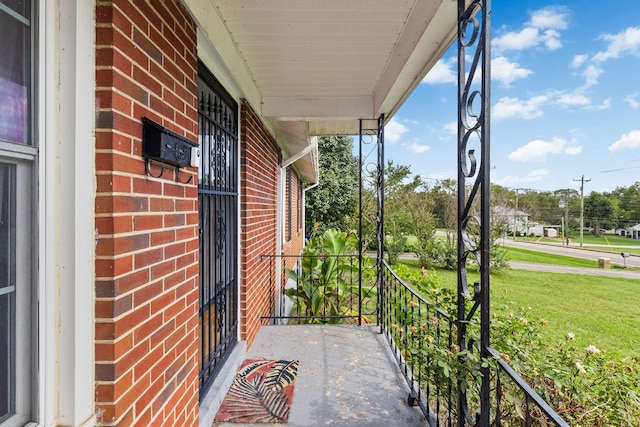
x=146 y=306
x=294 y=245
x=259 y=157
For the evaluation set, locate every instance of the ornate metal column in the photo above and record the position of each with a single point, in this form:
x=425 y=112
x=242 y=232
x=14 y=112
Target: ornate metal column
x=474 y=23
x=380 y=214
x=371 y=143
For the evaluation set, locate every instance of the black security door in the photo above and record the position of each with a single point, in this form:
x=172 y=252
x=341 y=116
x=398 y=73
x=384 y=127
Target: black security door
x=218 y=212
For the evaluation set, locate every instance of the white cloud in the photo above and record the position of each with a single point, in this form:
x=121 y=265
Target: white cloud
x=450 y=128
x=538 y=149
x=542 y=29
x=631 y=100
x=448 y=132
x=418 y=148
x=628 y=141
x=625 y=42
x=393 y=131
x=517 y=40
x=606 y=104
x=578 y=60
x=514 y=107
x=578 y=97
x=551 y=39
x=549 y=18
x=442 y=72
x=506 y=71
x=533 y=176
x=573 y=150
x=591 y=75
x=574 y=99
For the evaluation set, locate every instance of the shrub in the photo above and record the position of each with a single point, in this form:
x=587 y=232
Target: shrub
x=583 y=385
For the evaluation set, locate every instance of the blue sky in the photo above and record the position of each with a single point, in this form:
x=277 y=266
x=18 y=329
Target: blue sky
x=565 y=99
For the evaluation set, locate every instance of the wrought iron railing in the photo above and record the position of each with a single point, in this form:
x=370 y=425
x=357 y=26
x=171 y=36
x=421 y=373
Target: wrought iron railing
x=424 y=343
x=412 y=326
x=320 y=289
x=534 y=411
x=422 y=337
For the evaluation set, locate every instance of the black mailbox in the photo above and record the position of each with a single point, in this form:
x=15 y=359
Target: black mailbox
x=164 y=145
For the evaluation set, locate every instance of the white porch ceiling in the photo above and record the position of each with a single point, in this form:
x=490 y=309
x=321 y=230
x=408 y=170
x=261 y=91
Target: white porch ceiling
x=314 y=67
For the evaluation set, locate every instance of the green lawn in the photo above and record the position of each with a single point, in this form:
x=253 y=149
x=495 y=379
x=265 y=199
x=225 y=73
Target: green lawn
x=601 y=311
x=525 y=255
x=608 y=241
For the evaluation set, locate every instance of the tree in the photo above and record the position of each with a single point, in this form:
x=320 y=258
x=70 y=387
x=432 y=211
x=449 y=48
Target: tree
x=335 y=199
x=602 y=210
x=445 y=200
x=629 y=198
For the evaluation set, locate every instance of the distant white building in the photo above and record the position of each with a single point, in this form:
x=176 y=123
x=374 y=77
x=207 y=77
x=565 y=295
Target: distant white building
x=535 y=229
x=511 y=219
x=634 y=232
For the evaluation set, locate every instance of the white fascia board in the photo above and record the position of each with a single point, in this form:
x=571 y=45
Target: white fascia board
x=300 y=108
x=218 y=51
x=211 y=59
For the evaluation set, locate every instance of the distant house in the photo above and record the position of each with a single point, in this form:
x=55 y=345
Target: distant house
x=621 y=231
x=634 y=232
x=535 y=229
x=511 y=220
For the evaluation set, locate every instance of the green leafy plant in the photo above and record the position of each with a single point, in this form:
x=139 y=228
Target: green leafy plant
x=327 y=285
x=582 y=383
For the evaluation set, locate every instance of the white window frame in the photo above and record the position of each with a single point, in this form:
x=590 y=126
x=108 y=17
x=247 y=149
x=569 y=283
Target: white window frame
x=55 y=222
x=24 y=295
x=65 y=134
x=24 y=157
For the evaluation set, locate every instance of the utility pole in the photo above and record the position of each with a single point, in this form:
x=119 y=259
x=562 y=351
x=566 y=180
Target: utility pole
x=582 y=181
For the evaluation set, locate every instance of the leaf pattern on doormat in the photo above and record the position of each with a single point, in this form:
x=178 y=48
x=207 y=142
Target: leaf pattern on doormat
x=262 y=392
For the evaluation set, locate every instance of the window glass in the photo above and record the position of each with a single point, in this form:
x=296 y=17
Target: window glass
x=16 y=286
x=19 y=6
x=7 y=288
x=15 y=71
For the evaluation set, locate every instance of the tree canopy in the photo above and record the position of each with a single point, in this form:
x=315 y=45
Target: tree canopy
x=413 y=207
x=334 y=200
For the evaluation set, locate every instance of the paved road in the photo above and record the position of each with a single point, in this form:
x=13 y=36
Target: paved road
x=621 y=274
x=586 y=252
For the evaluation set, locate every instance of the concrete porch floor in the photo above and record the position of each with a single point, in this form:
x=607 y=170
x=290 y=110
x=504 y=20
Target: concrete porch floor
x=347 y=376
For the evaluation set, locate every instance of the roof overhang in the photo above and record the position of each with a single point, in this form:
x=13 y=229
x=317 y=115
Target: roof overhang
x=314 y=67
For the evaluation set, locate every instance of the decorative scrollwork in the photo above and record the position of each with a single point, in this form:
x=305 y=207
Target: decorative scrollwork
x=221 y=232
x=218 y=162
x=473 y=205
x=221 y=305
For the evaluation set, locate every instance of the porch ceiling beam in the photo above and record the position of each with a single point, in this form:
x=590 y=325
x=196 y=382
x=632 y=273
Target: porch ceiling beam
x=330 y=107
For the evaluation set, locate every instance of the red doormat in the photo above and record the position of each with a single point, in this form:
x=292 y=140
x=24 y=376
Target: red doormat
x=262 y=392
